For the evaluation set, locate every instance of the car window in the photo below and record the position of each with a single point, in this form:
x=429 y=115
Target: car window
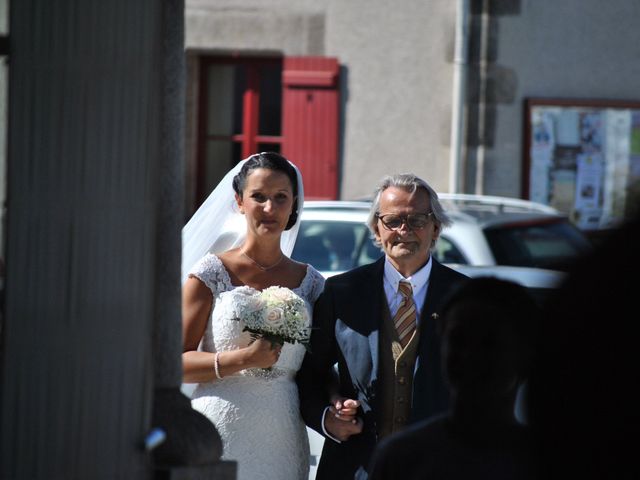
x=329 y=245
x=446 y=251
x=335 y=246
x=368 y=251
x=547 y=245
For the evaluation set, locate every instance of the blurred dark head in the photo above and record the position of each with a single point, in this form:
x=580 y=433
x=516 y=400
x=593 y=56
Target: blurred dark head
x=584 y=392
x=488 y=329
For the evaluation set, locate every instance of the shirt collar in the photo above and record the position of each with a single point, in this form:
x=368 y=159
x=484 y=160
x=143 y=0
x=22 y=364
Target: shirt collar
x=417 y=280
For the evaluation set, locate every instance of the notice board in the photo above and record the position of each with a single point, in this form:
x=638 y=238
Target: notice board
x=583 y=158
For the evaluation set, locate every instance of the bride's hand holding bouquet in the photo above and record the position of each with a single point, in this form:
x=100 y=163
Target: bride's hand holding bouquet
x=262 y=353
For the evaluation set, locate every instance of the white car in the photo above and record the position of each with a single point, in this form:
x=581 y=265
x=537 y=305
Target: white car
x=486 y=231
x=490 y=230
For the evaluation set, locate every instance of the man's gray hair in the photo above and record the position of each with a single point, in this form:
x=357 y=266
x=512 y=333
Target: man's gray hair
x=409 y=183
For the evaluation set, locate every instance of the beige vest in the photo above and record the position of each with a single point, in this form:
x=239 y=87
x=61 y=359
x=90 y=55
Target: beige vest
x=395 y=376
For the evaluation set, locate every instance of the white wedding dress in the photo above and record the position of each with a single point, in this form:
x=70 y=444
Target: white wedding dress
x=256 y=411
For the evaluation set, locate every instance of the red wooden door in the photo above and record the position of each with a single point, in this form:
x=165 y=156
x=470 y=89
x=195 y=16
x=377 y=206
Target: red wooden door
x=310 y=122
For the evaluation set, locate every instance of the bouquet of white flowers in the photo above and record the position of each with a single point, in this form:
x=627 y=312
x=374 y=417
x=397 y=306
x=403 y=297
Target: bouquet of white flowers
x=275 y=313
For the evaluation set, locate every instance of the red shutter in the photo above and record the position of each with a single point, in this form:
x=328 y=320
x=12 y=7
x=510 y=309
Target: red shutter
x=310 y=122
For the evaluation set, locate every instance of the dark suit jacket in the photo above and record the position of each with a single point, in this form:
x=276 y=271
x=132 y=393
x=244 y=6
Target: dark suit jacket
x=346 y=324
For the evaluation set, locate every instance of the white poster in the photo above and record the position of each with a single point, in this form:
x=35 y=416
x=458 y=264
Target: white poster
x=542 y=145
x=568 y=131
x=542 y=132
x=539 y=176
x=589 y=178
x=591 y=131
x=617 y=151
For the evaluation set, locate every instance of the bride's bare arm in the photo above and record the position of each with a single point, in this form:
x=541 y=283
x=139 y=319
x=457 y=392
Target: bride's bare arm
x=197 y=367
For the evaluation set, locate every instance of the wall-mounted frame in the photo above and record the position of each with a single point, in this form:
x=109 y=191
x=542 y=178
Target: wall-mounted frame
x=583 y=158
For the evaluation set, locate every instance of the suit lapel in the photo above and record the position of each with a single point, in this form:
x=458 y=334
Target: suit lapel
x=358 y=332
x=430 y=394
x=435 y=290
x=428 y=340
x=377 y=302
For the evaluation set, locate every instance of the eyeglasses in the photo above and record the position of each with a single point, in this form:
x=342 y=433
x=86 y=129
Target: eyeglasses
x=414 y=221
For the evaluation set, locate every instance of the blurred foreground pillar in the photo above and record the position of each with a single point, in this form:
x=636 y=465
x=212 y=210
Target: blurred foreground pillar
x=90 y=358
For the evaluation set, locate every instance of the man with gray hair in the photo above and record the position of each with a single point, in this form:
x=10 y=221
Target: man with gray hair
x=374 y=365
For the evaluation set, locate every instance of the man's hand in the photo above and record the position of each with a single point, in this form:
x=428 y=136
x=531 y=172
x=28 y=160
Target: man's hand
x=341 y=420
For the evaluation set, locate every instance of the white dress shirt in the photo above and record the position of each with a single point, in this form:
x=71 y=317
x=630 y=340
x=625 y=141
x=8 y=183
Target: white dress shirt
x=419 y=283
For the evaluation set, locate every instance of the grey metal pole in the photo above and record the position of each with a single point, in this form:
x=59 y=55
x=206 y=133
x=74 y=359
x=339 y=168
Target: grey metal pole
x=460 y=63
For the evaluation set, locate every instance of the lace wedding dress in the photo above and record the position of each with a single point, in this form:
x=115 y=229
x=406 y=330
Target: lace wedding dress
x=256 y=411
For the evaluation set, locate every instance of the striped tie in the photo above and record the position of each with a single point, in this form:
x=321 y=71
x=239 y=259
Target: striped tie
x=405 y=318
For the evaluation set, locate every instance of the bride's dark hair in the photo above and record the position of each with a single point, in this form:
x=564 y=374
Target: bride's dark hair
x=272 y=161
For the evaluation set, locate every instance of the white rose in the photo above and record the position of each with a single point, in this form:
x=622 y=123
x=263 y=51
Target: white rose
x=283 y=294
x=274 y=317
x=254 y=303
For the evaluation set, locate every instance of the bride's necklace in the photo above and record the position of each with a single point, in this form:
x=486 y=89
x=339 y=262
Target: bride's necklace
x=262 y=267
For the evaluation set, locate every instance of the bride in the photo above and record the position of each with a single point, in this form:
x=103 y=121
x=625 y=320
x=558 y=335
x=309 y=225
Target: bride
x=247 y=388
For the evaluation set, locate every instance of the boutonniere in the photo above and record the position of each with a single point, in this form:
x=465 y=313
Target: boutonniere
x=435 y=316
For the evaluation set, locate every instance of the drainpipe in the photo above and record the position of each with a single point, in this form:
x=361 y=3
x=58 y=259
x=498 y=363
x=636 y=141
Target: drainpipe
x=482 y=97
x=460 y=61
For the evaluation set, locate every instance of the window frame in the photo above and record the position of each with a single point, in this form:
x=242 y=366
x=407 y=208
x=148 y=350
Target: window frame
x=248 y=138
